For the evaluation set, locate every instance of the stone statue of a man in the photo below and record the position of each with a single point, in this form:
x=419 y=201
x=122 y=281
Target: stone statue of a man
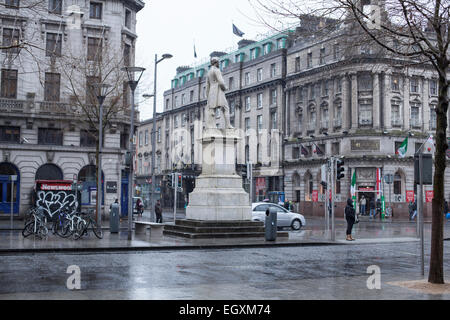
x=215 y=91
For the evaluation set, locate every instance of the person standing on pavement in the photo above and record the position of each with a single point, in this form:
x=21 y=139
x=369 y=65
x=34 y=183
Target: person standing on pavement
x=350 y=217
x=158 y=212
x=362 y=203
x=372 y=208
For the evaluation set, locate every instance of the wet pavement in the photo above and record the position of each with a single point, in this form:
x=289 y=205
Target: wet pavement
x=314 y=233
x=286 y=273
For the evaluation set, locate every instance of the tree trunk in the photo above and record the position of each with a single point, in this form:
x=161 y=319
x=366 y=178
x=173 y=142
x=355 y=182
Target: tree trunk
x=436 y=273
x=97 y=156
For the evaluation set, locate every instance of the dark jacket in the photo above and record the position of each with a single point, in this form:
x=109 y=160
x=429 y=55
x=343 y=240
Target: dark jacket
x=445 y=207
x=349 y=210
x=372 y=204
x=158 y=209
x=378 y=204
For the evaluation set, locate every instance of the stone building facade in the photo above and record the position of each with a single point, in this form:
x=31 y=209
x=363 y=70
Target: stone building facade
x=254 y=76
x=316 y=95
x=357 y=103
x=42 y=136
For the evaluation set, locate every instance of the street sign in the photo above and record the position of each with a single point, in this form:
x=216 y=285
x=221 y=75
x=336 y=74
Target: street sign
x=13 y=178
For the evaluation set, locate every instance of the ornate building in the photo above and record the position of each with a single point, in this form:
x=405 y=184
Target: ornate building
x=300 y=97
x=43 y=131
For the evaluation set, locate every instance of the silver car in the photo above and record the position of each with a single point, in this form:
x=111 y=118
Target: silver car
x=285 y=218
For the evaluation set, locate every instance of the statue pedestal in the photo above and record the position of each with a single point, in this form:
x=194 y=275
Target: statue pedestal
x=218 y=193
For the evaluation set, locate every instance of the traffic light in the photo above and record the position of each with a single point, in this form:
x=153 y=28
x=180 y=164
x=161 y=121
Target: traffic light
x=339 y=169
x=180 y=181
x=127 y=161
x=169 y=181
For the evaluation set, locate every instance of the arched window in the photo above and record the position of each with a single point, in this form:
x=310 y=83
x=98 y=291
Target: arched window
x=397 y=183
x=49 y=171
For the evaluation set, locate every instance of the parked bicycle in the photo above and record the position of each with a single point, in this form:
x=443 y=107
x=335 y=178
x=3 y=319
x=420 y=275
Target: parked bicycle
x=36 y=224
x=91 y=224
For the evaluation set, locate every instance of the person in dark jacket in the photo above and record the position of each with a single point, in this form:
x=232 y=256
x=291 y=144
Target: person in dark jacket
x=445 y=207
x=158 y=212
x=350 y=217
x=372 y=208
x=378 y=205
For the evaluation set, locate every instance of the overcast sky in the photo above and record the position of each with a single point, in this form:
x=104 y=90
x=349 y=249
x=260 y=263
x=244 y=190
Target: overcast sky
x=172 y=26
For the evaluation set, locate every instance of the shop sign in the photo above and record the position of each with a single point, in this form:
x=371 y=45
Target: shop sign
x=409 y=195
x=429 y=195
x=315 y=195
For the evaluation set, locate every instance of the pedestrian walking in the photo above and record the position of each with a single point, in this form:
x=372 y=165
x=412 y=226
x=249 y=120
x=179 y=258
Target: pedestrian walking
x=362 y=205
x=413 y=212
x=139 y=207
x=378 y=208
x=445 y=207
x=158 y=212
x=350 y=217
x=372 y=208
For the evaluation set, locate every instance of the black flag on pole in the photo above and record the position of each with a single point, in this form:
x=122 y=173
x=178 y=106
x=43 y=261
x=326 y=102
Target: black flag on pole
x=237 y=32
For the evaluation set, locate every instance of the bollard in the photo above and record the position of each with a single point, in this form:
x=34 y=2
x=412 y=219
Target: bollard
x=271 y=224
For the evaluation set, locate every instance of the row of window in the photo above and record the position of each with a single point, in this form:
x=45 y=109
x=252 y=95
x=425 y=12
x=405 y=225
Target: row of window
x=238 y=57
x=56 y=6
x=47 y=136
x=364 y=83
x=143 y=137
x=322 y=58
x=231 y=86
x=52 y=84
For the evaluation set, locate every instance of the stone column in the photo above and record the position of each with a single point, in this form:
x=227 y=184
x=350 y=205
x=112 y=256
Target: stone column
x=346 y=104
x=354 y=101
x=406 y=107
x=426 y=104
x=376 y=105
x=387 y=101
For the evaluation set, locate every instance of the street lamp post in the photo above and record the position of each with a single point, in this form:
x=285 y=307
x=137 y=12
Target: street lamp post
x=102 y=92
x=131 y=72
x=153 y=135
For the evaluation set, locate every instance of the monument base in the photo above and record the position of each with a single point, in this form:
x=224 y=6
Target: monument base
x=196 y=229
x=219 y=197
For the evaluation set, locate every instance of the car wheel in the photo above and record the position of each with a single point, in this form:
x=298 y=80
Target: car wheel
x=296 y=224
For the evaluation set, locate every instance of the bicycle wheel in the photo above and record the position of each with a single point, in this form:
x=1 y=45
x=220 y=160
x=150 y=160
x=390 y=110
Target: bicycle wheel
x=66 y=229
x=80 y=229
x=28 y=229
x=42 y=231
x=97 y=230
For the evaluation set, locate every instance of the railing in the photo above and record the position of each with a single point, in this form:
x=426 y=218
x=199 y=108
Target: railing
x=365 y=122
x=11 y=105
x=51 y=107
